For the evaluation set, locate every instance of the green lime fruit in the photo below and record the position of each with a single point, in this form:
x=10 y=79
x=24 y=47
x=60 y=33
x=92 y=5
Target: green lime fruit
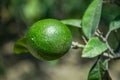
x=48 y=39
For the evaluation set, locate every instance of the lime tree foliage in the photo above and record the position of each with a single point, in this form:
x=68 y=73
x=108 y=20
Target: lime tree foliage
x=50 y=39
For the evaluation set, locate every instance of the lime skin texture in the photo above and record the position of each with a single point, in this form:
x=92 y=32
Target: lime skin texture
x=48 y=39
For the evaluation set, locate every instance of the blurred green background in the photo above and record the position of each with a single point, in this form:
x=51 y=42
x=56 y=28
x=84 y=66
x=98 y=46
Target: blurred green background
x=16 y=16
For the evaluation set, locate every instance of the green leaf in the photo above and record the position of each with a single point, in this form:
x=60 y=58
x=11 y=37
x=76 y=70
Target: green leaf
x=91 y=18
x=20 y=46
x=93 y=48
x=98 y=70
x=72 y=22
x=115 y=24
x=113 y=40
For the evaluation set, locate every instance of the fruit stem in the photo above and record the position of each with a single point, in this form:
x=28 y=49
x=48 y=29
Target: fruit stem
x=76 y=45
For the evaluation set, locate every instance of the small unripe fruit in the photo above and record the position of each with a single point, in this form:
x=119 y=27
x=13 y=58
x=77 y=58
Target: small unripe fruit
x=48 y=39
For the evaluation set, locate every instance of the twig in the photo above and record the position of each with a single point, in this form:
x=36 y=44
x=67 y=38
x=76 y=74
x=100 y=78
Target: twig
x=108 y=55
x=107 y=35
x=98 y=33
x=76 y=45
x=111 y=50
x=84 y=39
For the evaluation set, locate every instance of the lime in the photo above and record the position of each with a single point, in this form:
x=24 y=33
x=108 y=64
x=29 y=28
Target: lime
x=48 y=39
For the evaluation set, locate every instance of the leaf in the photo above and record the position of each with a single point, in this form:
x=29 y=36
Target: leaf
x=91 y=18
x=115 y=24
x=72 y=22
x=98 y=70
x=95 y=72
x=113 y=40
x=93 y=48
x=20 y=46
